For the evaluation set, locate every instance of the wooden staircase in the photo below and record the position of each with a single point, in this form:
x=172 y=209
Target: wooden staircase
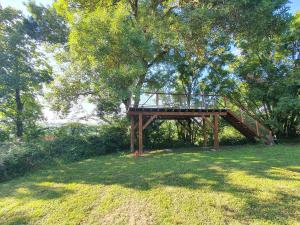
x=252 y=133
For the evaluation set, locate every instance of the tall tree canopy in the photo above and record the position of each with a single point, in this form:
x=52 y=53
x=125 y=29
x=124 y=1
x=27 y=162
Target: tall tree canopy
x=22 y=72
x=119 y=47
x=269 y=70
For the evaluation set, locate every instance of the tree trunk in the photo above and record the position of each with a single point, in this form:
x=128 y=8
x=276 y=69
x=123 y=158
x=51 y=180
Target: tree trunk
x=127 y=103
x=19 y=116
x=137 y=93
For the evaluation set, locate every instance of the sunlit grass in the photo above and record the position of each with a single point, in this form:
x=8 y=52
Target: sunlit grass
x=241 y=185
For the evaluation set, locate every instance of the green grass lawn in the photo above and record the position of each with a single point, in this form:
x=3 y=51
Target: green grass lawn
x=240 y=185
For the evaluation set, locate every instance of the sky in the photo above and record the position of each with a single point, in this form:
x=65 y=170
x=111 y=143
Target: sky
x=84 y=109
x=18 y=4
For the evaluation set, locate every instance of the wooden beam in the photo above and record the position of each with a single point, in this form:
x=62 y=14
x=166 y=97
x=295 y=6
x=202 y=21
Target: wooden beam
x=132 y=133
x=216 y=138
x=152 y=118
x=140 y=133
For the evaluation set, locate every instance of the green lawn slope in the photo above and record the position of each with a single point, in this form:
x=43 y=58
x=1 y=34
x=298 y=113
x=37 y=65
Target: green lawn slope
x=240 y=185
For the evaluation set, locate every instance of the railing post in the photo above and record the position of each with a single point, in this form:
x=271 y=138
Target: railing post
x=215 y=101
x=157 y=99
x=203 y=101
x=257 y=128
x=129 y=102
x=180 y=101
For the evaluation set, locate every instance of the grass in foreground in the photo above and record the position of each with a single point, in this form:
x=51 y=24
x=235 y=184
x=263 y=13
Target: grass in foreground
x=246 y=185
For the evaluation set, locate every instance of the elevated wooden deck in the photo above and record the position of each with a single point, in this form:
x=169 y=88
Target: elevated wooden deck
x=201 y=109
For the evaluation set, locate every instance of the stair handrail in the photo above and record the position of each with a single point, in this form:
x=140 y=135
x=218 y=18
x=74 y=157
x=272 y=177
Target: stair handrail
x=258 y=124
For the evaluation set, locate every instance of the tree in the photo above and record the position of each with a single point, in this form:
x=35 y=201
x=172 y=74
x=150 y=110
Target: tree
x=118 y=48
x=115 y=44
x=269 y=70
x=45 y=25
x=23 y=70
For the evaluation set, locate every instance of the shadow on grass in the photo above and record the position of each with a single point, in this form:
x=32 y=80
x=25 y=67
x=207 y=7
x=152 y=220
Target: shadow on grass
x=34 y=191
x=18 y=220
x=191 y=170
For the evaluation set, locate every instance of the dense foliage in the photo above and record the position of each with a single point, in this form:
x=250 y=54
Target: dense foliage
x=248 y=50
x=23 y=69
x=67 y=143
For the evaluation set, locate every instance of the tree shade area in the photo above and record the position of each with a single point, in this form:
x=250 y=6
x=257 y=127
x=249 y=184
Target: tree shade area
x=252 y=185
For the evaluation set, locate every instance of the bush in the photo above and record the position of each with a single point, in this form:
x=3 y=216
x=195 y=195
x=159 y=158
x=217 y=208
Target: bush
x=70 y=142
x=16 y=159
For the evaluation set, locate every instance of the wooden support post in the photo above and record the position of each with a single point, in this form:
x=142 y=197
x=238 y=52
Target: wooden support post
x=132 y=133
x=204 y=132
x=257 y=128
x=140 y=133
x=216 y=137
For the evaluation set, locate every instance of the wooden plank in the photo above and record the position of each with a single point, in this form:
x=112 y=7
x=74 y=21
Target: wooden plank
x=140 y=133
x=132 y=133
x=152 y=118
x=216 y=137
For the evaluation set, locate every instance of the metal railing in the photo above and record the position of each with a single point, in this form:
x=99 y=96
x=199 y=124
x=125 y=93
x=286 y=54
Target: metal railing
x=182 y=101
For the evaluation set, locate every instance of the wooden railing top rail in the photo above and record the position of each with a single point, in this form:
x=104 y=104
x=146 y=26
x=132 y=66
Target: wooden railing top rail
x=182 y=94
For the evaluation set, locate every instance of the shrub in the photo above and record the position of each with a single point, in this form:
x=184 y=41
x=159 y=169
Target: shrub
x=16 y=159
x=70 y=142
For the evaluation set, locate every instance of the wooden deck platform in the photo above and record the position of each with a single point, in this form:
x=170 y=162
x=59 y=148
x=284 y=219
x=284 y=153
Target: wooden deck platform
x=205 y=110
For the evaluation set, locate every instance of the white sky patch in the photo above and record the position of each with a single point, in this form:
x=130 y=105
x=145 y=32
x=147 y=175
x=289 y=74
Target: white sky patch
x=19 y=4
x=236 y=51
x=82 y=112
